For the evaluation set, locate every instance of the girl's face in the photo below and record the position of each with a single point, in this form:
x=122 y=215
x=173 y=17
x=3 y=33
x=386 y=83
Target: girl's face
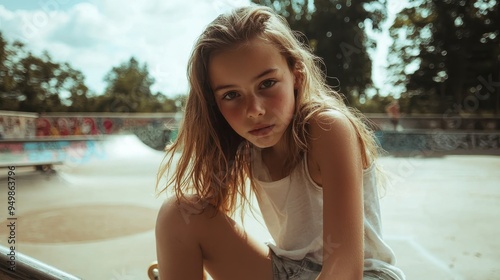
x=254 y=91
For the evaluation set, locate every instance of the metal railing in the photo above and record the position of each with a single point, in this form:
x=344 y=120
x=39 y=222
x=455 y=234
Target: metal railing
x=17 y=266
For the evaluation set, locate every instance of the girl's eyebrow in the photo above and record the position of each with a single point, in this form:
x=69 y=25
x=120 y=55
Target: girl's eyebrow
x=266 y=72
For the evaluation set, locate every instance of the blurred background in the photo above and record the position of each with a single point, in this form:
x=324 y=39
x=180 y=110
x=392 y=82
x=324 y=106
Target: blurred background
x=91 y=91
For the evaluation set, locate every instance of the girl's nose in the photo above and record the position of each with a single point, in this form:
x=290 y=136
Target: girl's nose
x=255 y=107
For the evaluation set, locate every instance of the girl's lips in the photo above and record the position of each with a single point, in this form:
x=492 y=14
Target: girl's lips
x=262 y=131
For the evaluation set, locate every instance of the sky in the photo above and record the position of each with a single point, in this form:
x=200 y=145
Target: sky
x=96 y=35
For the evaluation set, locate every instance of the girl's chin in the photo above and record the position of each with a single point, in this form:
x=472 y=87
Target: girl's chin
x=263 y=143
x=260 y=146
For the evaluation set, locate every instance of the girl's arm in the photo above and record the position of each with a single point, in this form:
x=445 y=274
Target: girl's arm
x=336 y=153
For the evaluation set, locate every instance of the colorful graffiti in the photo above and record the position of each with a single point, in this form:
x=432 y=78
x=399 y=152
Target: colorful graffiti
x=155 y=130
x=75 y=126
x=49 y=152
x=19 y=125
x=12 y=126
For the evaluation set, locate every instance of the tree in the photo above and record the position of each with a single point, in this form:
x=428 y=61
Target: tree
x=453 y=48
x=9 y=94
x=129 y=90
x=35 y=84
x=335 y=30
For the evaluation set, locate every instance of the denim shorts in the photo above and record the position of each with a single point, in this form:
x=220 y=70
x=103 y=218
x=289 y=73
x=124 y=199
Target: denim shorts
x=285 y=268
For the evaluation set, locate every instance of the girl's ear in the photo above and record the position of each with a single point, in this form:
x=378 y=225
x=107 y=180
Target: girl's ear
x=297 y=77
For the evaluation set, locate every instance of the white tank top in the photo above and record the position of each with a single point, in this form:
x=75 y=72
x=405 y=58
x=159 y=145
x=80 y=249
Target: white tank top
x=292 y=209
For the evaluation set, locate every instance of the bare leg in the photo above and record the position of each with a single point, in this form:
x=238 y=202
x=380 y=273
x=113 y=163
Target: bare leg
x=186 y=243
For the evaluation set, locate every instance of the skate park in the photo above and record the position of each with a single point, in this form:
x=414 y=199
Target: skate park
x=93 y=215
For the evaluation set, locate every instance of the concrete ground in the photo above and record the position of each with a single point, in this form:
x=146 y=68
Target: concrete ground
x=94 y=218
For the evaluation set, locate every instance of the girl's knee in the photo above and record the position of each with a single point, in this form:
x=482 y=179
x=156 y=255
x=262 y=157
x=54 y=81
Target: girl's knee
x=182 y=215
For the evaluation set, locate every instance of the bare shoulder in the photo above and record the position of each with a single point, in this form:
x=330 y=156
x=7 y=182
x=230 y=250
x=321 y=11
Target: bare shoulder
x=331 y=123
x=333 y=139
x=165 y=213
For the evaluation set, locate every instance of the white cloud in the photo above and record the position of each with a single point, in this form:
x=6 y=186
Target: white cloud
x=94 y=36
x=83 y=26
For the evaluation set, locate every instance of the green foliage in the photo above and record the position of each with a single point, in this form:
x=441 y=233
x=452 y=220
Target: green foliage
x=375 y=104
x=446 y=56
x=38 y=84
x=129 y=90
x=35 y=84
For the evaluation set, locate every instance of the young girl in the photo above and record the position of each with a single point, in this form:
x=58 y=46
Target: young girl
x=259 y=109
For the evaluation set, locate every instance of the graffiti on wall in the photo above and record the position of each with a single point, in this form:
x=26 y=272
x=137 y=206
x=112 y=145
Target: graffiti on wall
x=155 y=130
x=75 y=126
x=42 y=152
x=17 y=127
x=25 y=127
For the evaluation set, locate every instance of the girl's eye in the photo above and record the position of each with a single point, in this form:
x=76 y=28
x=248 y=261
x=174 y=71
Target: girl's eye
x=230 y=95
x=267 y=84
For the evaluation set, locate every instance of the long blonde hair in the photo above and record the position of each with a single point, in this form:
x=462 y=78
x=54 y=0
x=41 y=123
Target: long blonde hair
x=214 y=160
